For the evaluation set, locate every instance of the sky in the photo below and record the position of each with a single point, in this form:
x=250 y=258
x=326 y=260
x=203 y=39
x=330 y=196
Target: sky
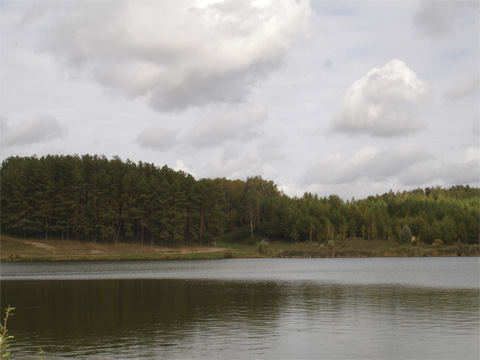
x=353 y=98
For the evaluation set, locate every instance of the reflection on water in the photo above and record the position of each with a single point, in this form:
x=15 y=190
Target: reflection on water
x=207 y=318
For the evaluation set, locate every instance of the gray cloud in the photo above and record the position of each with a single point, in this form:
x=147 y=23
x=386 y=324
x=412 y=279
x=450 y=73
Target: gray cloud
x=476 y=127
x=158 y=138
x=446 y=172
x=227 y=124
x=175 y=54
x=463 y=173
x=463 y=88
x=262 y=158
x=383 y=103
x=466 y=171
x=368 y=163
x=438 y=19
x=237 y=162
x=42 y=129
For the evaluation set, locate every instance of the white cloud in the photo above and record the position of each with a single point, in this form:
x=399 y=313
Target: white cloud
x=42 y=129
x=441 y=18
x=180 y=166
x=472 y=154
x=158 y=138
x=176 y=54
x=383 y=103
x=464 y=88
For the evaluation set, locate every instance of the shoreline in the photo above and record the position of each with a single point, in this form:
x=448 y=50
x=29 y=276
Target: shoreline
x=32 y=250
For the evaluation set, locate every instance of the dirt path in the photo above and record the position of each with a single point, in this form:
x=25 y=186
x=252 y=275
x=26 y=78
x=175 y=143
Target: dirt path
x=40 y=245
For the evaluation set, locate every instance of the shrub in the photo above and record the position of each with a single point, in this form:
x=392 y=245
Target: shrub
x=331 y=244
x=405 y=234
x=229 y=253
x=263 y=247
x=437 y=243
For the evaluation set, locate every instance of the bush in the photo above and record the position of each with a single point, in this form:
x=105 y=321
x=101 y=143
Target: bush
x=229 y=253
x=405 y=234
x=331 y=244
x=263 y=247
x=437 y=243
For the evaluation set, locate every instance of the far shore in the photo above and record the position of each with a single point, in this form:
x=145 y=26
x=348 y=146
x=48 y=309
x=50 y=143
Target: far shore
x=15 y=249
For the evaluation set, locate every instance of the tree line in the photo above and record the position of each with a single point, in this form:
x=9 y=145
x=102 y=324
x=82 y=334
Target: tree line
x=92 y=198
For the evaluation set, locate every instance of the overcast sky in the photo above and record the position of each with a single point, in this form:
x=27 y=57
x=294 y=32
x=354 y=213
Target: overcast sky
x=333 y=97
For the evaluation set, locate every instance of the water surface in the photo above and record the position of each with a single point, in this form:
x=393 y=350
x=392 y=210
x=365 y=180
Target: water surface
x=246 y=308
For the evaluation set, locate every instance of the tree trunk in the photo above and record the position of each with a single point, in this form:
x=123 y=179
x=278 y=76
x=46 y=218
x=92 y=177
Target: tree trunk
x=117 y=232
x=251 y=223
x=201 y=226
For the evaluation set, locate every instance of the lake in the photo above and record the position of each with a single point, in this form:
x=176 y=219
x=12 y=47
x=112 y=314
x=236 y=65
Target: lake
x=380 y=308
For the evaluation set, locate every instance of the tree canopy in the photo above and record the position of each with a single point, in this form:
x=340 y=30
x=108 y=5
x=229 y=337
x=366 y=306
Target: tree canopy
x=92 y=198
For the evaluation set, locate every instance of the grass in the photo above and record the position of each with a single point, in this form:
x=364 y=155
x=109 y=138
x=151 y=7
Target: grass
x=14 y=249
x=4 y=337
x=237 y=244
x=349 y=247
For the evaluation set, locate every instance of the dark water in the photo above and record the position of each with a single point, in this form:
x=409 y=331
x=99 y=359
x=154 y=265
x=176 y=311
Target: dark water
x=228 y=309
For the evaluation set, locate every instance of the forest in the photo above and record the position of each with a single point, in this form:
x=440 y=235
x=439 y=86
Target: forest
x=93 y=198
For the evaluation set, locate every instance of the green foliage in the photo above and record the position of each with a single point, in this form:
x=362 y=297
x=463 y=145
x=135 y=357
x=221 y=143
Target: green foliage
x=405 y=234
x=92 y=198
x=437 y=243
x=4 y=337
x=263 y=247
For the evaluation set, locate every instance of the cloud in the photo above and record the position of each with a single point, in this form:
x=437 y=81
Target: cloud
x=42 y=129
x=236 y=157
x=214 y=127
x=466 y=171
x=398 y=167
x=383 y=103
x=367 y=164
x=158 y=138
x=180 y=166
x=438 y=19
x=476 y=128
x=176 y=54
x=446 y=172
x=463 y=88
x=227 y=124
x=244 y=163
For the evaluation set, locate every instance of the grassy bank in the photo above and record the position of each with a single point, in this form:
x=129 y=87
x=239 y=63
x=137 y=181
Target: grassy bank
x=356 y=247
x=14 y=249
x=235 y=245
